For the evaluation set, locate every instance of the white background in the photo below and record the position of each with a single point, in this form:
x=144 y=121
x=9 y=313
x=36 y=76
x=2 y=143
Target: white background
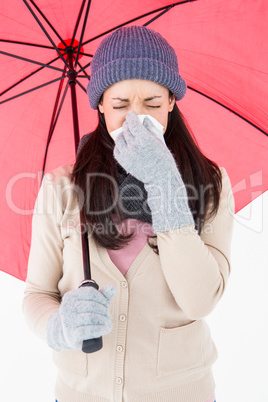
x=239 y=325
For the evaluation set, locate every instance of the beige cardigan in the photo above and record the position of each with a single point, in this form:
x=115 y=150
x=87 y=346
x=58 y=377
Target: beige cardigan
x=160 y=348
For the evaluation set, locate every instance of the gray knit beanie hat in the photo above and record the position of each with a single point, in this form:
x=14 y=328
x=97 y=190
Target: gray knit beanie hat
x=134 y=52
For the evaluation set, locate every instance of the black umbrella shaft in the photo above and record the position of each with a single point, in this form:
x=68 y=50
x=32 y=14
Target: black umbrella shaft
x=72 y=83
x=75 y=115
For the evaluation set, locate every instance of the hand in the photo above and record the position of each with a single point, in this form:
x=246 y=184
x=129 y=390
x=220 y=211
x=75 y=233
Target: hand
x=140 y=152
x=83 y=314
x=146 y=157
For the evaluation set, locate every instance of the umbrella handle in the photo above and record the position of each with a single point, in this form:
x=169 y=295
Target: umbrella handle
x=95 y=344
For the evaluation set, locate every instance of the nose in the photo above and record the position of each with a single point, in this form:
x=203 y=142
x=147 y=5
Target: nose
x=137 y=108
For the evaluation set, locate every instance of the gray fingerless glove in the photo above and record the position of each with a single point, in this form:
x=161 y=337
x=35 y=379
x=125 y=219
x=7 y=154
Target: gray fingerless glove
x=83 y=314
x=147 y=158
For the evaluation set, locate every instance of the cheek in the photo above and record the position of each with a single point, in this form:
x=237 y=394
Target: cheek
x=163 y=119
x=114 y=119
x=165 y=126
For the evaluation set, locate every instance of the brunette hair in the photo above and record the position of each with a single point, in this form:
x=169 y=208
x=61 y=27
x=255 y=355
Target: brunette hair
x=201 y=176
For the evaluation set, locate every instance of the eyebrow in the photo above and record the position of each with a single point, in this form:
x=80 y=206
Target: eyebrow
x=127 y=100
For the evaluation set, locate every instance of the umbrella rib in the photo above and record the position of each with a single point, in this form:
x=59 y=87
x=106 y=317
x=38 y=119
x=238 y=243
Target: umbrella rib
x=54 y=119
x=84 y=67
x=157 y=16
x=86 y=54
x=31 y=90
x=230 y=110
x=78 y=21
x=84 y=71
x=27 y=76
x=31 y=61
x=81 y=86
x=47 y=21
x=137 y=18
x=44 y=30
x=82 y=33
x=60 y=107
x=27 y=44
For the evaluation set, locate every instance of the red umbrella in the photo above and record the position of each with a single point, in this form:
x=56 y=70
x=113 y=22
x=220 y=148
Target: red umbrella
x=222 y=53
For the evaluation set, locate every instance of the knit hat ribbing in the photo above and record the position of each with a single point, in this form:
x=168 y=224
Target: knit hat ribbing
x=134 y=52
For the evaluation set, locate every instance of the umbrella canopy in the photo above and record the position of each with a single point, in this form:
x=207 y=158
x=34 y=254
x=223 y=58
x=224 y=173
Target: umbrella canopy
x=222 y=53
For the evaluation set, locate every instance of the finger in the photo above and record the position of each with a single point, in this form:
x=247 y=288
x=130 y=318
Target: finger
x=132 y=118
x=89 y=320
x=109 y=292
x=90 y=332
x=120 y=142
x=88 y=306
x=134 y=124
x=125 y=125
x=129 y=137
x=148 y=124
x=90 y=293
x=128 y=134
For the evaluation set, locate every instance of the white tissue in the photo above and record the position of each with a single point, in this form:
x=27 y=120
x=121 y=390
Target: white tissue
x=158 y=129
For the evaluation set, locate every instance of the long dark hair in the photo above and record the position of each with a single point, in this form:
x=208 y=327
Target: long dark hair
x=202 y=178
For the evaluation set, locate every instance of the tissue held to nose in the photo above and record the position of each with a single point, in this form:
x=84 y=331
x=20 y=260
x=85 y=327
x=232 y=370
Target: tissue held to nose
x=158 y=128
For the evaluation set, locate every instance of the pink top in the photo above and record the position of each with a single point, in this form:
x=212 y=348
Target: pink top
x=124 y=258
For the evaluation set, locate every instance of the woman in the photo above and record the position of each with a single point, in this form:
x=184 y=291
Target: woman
x=160 y=219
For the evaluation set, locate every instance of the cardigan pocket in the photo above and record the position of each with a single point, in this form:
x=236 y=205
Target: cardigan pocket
x=74 y=361
x=182 y=348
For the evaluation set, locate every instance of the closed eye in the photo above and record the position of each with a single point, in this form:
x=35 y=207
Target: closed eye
x=122 y=107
